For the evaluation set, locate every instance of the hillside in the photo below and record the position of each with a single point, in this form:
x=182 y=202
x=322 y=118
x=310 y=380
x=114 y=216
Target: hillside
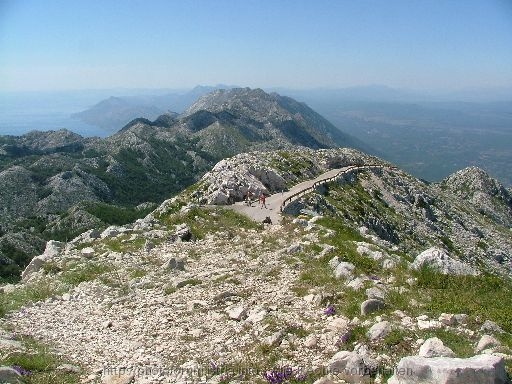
x=379 y=271
x=57 y=184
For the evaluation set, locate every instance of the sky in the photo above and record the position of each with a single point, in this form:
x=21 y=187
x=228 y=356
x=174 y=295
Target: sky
x=415 y=44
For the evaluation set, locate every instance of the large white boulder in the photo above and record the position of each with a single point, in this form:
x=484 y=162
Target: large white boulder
x=481 y=369
x=53 y=248
x=439 y=260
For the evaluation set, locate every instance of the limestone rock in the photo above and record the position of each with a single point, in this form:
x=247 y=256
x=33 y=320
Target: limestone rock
x=372 y=305
x=311 y=341
x=87 y=252
x=350 y=367
x=174 y=264
x=237 y=313
x=481 y=369
x=10 y=375
x=439 y=260
x=344 y=270
x=447 y=319
x=486 y=342
x=118 y=379
x=491 y=326
x=53 y=249
x=379 y=330
x=434 y=347
x=111 y=231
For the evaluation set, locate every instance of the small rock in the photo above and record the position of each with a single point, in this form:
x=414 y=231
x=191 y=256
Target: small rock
x=183 y=232
x=338 y=323
x=491 y=326
x=434 y=347
x=148 y=245
x=461 y=318
x=447 y=319
x=344 y=270
x=486 y=342
x=237 y=313
x=10 y=375
x=333 y=263
x=110 y=232
x=349 y=366
x=379 y=330
x=66 y=297
x=256 y=316
x=311 y=341
x=275 y=339
x=174 y=264
x=88 y=252
x=69 y=368
x=324 y=380
x=294 y=248
x=376 y=293
x=357 y=283
x=372 y=305
x=439 y=260
x=429 y=324
x=309 y=298
x=480 y=369
x=118 y=379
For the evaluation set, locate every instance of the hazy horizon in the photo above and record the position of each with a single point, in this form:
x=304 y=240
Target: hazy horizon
x=429 y=46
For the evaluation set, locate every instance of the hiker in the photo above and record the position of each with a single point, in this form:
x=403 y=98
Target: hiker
x=267 y=220
x=262 y=199
x=249 y=197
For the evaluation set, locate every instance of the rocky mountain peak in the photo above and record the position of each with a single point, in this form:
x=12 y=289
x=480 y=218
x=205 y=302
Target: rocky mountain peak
x=486 y=193
x=255 y=102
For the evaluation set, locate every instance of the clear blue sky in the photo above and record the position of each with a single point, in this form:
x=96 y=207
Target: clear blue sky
x=421 y=44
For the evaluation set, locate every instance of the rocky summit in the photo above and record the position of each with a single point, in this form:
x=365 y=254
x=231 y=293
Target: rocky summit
x=368 y=275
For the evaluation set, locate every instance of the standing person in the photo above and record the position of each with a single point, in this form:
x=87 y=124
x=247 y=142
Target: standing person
x=249 y=198
x=263 y=205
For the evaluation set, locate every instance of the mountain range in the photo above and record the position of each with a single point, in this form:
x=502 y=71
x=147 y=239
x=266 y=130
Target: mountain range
x=430 y=135
x=56 y=184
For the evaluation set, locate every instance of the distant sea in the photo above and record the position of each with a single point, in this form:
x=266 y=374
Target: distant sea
x=24 y=112
x=19 y=124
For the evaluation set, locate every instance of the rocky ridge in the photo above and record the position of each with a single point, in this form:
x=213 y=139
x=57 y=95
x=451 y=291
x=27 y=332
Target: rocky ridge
x=219 y=298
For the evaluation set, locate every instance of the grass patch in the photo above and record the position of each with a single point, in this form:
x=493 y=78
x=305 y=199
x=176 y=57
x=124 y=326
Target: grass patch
x=135 y=273
x=83 y=272
x=461 y=345
x=123 y=244
x=169 y=289
x=29 y=293
x=205 y=221
x=486 y=296
x=192 y=282
x=39 y=364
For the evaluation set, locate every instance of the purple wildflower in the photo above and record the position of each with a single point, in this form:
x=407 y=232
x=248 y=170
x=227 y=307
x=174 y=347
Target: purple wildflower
x=22 y=371
x=344 y=338
x=330 y=310
x=278 y=376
